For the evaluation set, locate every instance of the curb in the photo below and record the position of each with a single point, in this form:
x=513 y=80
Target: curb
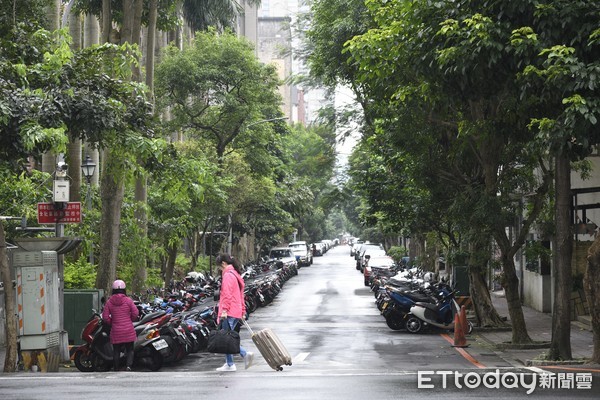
x=522 y=346
x=543 y=363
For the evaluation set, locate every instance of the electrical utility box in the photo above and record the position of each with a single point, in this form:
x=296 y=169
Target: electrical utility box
x=36 y=274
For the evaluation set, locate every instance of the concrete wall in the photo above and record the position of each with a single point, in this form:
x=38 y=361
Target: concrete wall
x=537 y=291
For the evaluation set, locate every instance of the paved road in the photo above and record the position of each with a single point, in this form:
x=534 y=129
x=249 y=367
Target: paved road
x=341 y=348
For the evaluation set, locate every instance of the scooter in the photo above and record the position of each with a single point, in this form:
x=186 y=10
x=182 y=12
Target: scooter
x=439 y=314
x=396 y=302
x=96 y=354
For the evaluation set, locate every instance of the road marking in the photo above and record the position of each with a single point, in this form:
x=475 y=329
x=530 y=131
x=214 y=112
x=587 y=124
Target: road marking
x=463 y=352
x=300 y=358
x=536 y=370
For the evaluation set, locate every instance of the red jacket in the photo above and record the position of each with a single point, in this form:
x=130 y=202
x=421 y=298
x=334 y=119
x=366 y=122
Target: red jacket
x=232 y=293
x=119 y=312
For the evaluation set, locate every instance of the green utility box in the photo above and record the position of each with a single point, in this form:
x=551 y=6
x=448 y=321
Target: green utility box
x=79 y=306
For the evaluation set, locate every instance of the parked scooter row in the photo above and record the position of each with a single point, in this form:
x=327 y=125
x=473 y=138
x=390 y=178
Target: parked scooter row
x=96 y=353
x=177 y=324
x=413 y=301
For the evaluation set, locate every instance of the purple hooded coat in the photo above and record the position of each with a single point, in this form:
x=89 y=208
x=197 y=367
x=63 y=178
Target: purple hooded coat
x=119 y=312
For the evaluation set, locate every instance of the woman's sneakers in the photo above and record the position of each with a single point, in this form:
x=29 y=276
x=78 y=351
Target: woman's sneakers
x=248 y=359
x=227 y=368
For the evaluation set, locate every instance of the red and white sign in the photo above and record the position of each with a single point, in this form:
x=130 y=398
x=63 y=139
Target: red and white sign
x=71 y=214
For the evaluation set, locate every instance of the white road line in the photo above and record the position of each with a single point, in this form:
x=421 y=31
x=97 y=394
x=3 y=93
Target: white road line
x=537 y=370
x=300 y=358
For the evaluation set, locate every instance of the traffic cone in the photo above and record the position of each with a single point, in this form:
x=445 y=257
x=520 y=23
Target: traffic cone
x=463 y=320
x=459 y=334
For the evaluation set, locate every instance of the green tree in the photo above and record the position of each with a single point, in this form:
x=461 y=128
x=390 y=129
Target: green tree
x=465 y=88
x=217 y=89
x=48 y=90
x=220 y=95
x=560 y=50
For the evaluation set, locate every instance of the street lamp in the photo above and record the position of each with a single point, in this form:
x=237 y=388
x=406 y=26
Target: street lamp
x=88 y=167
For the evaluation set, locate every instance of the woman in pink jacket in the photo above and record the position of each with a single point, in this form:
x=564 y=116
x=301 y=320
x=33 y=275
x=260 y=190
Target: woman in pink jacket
x=232 y=307
x=120 y=312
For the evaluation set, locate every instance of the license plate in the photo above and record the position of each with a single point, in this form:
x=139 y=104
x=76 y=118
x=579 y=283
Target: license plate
x=160 y=344
x=384 y=306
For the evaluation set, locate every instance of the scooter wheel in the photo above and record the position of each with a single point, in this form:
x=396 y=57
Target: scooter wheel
x=152 y=359
x=83 y=361
x=414 y=325
x=394 y=323
x=100 y=364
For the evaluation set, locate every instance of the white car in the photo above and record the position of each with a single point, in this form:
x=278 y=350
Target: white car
x=283 y=254
x=302 y=252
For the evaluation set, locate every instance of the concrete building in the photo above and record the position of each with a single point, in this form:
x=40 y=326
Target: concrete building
x=271 y=28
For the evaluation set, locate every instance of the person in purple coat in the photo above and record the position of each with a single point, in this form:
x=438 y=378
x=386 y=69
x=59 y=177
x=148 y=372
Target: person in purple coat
x=120 y=312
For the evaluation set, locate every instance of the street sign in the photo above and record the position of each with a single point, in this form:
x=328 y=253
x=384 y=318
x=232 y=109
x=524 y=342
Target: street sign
x=70 y=215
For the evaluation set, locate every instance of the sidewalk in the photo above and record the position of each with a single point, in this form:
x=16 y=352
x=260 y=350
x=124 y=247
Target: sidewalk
x=539 y=327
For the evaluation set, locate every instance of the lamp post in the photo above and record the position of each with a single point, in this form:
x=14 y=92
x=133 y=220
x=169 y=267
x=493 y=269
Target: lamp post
x=88 y=167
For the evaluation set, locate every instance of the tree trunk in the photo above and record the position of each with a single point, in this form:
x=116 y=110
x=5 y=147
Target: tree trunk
x=52 y=24
x=560 y=347
x=141 y=183
x=486 y=314
x=591 y=284
x=91 y=30
x=74 y=161
x=10 y=360
x=112 y=192
x=513 y=300
x=141 y=201
x=150 y=41
x=170 y=267
x=105 y=32
x=74 y=149
x=128 y=21
x=480 y=295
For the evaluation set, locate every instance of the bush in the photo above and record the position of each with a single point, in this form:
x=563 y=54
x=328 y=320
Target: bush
x=79 y=274
x=397 y=252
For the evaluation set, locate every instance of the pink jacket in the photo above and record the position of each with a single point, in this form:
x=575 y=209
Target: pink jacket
x=119 y=312
x=232 y=294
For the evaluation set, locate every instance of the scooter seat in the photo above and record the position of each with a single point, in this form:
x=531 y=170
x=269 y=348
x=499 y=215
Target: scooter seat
x=430 y=306
x=149 y=317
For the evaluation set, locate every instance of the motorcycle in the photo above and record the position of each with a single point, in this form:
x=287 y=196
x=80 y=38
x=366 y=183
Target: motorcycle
x=396 y=303
x=439 y=314
x=96 y=354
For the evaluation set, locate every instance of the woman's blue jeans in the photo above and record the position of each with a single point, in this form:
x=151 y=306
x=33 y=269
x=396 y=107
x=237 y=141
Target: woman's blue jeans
x=229 y=357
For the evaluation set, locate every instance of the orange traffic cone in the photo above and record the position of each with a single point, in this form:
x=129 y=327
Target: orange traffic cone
x=459 y=334
x=463 y=320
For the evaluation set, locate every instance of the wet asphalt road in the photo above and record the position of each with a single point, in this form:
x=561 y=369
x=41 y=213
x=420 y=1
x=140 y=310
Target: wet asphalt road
x=341 y=349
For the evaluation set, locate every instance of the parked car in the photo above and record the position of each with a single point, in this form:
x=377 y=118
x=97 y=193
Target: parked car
x=377 y=266
x=372 y=250
x=355 y=245
x=284 y=255
x=318 y=249
x=302 y=252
